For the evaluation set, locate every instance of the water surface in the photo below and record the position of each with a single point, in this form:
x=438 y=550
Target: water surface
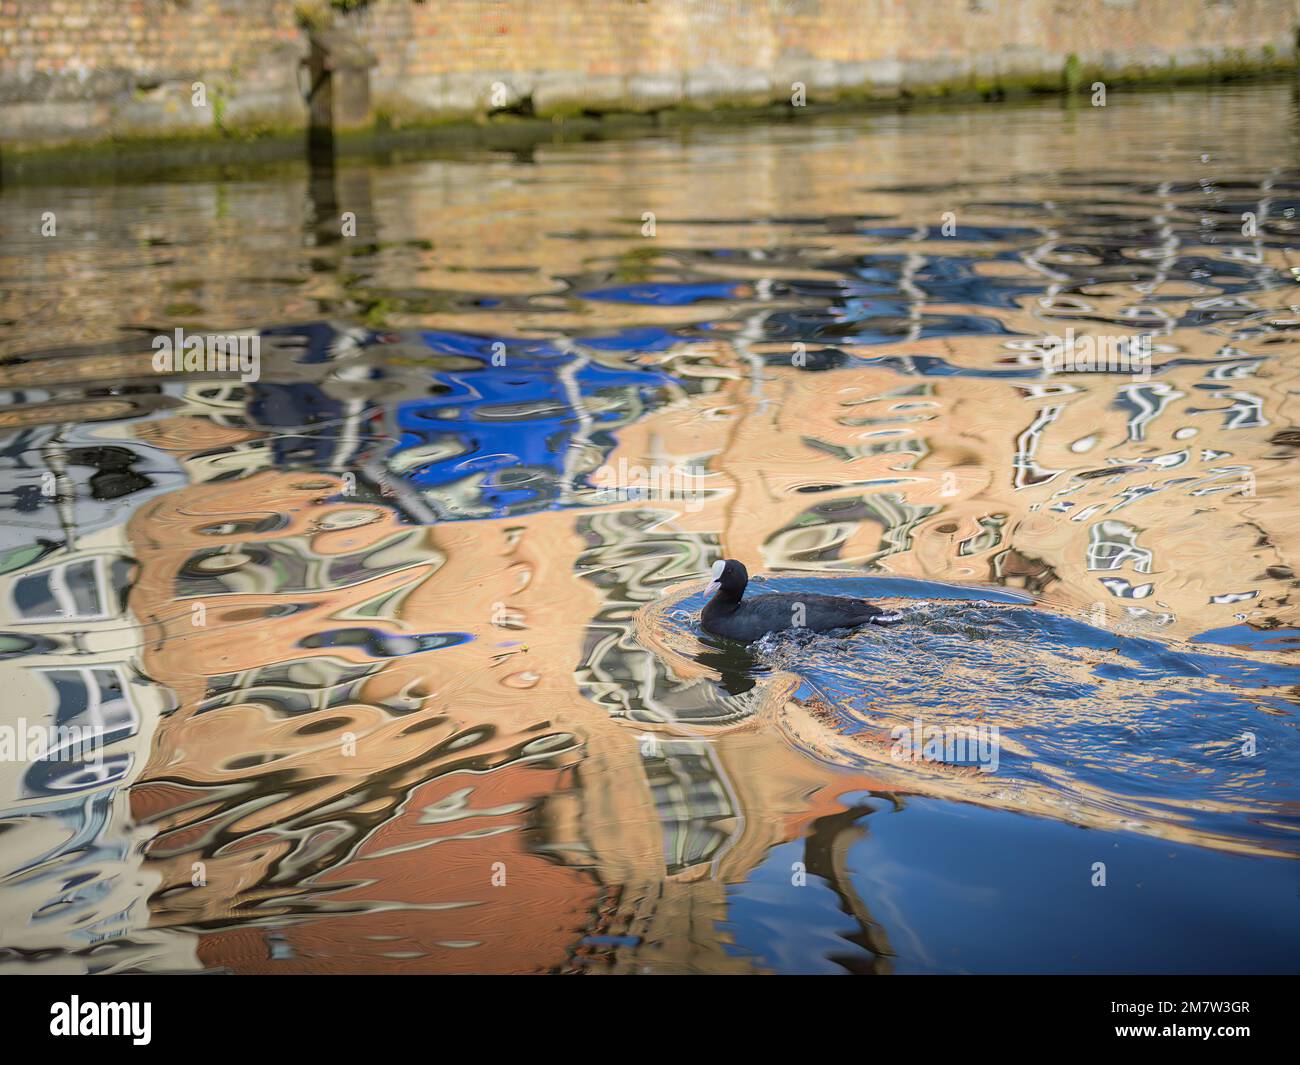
x=395 y=646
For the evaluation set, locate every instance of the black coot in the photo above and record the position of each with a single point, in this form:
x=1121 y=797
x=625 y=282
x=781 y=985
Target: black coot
x=725 y=615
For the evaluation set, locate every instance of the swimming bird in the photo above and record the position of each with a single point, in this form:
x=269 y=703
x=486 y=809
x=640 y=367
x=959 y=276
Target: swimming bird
x=725 y=615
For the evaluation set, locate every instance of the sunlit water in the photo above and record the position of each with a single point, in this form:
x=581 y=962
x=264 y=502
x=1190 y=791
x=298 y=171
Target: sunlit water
x=396 y=648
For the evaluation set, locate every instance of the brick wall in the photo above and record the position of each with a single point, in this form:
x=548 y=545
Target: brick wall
x=73 y=69
x=96 y=67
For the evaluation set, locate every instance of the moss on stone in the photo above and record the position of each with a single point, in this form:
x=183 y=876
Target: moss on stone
x=1072 y=74
x=396 y=126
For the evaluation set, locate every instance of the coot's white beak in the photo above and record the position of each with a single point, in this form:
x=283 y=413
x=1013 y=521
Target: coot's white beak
x=716 y=573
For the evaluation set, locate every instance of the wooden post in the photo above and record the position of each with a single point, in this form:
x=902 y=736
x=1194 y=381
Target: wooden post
x=320 y=98
x=338 y=96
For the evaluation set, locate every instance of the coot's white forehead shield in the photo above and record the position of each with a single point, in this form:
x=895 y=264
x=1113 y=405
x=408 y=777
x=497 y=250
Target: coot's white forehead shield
x=718 y=567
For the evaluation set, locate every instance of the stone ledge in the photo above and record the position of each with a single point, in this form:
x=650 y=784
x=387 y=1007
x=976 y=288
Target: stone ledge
x=48 y=111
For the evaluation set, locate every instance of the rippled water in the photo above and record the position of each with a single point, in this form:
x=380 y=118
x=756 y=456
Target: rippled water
x=395 y=648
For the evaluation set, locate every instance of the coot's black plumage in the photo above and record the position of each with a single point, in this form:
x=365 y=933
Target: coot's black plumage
x=725 y=615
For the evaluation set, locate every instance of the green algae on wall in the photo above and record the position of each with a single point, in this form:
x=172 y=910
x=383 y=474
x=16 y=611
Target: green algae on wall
x=580 y=66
